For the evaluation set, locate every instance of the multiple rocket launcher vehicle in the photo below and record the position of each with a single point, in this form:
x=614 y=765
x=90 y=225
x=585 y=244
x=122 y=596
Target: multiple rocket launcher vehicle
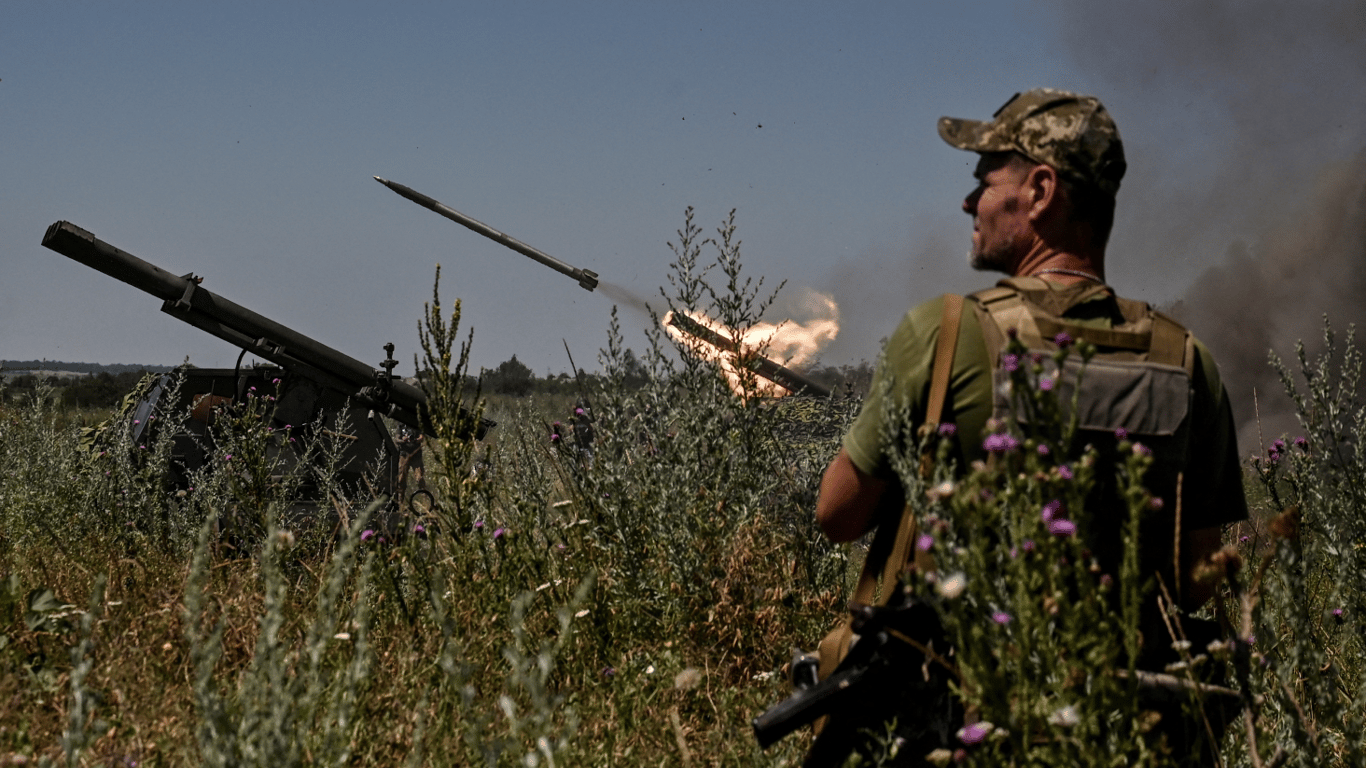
x=313 y=383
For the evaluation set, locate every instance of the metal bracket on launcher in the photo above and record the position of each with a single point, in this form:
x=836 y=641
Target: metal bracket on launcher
x=185 y=302
x=269 y=347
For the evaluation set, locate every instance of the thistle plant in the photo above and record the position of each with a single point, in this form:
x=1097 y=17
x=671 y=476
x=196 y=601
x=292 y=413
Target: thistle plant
x=1040 y=636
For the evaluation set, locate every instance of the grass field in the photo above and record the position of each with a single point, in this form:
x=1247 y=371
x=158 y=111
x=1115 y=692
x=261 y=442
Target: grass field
x=635 y=609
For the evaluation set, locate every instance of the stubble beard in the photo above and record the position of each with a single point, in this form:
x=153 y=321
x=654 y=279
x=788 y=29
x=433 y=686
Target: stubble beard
x=997 y=259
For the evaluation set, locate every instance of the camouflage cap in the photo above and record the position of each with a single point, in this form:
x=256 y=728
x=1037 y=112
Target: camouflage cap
x=1072 y=133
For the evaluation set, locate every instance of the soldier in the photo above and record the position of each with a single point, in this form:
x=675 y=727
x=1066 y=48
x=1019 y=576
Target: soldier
x=1049 y=169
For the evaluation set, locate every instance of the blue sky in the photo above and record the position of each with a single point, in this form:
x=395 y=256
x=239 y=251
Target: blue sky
x=238 y=141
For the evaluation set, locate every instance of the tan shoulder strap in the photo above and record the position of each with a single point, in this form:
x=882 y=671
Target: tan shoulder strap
x=1171 y=343
x=1000 y=309
x=944 y=350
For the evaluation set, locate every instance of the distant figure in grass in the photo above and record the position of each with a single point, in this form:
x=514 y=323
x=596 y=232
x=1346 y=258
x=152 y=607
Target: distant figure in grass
x=409 y=443
x=583 y=432
x=1049 y=168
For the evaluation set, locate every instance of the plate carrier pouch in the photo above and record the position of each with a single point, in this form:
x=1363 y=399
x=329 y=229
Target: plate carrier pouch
x=1139 y=379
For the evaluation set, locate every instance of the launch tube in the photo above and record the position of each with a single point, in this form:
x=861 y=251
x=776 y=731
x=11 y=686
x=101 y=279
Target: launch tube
x=587 y=278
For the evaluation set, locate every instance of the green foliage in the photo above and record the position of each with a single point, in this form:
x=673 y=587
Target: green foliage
x=511 y=377
x=1300 y=610
x=67 y=487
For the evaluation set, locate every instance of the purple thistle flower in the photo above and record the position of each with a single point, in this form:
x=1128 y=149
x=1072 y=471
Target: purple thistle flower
x=1142 y=450
x=1010 y=362
x=973 y=734
x=1043 y=449
x=227 y=457
x=1065 y=472
x=924 y=542
x=1027 y=545
x=609 y=671
x=367 y=534
x=1337 y=613
x=1244 y=538
x=1000 y=442
x=1051 y=510
x=1046 y=384
x=1014 y=553
x=1062 y=528
x=1301 y=443
x=498 y=533
x=275 y=381
x=137 y=421
x=478 y=524
x=1156 y=503
x=1121 y=434
x=1278 y=445
x=1062 y=340
x=1001 y=617
x=948 y=430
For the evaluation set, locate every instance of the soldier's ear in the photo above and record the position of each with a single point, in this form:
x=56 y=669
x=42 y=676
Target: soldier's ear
x=1043 y=188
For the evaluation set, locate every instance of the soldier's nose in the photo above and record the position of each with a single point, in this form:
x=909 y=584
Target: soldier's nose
x=970 y=202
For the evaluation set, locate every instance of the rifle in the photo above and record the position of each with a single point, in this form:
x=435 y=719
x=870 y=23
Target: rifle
x=882 y=677
x=886 y=676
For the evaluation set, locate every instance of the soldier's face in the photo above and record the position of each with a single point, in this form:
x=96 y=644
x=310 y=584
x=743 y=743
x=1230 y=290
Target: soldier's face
x=999 y=211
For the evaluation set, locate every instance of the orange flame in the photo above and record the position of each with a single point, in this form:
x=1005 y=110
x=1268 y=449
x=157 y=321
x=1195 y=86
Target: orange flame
x=790 y=343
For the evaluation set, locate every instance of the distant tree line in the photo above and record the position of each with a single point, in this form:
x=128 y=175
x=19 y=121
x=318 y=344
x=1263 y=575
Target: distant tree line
x=91 y=368
x=103 y=390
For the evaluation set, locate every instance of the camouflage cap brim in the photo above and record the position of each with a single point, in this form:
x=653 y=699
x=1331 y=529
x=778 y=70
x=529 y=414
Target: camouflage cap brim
x=973 y=135
x=1070 y=132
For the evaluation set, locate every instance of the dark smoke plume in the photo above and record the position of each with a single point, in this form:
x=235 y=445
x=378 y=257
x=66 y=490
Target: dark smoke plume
x=1262 y=178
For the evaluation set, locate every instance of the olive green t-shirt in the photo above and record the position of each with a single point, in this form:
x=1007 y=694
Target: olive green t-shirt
x=1212 y=492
